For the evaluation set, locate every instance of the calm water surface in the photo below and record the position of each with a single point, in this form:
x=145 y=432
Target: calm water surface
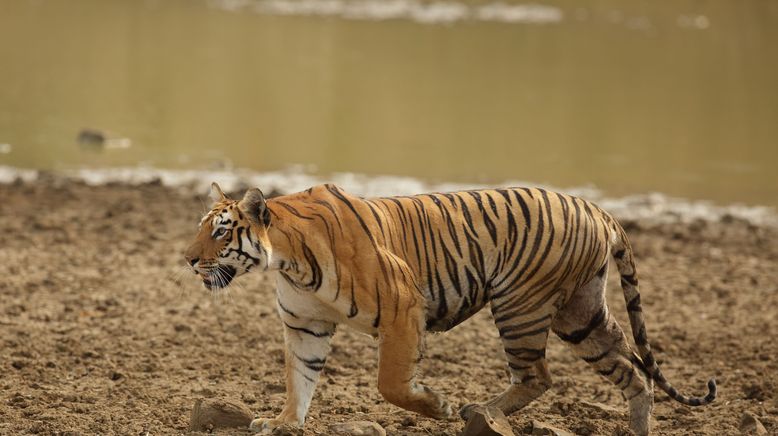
x=630 y=96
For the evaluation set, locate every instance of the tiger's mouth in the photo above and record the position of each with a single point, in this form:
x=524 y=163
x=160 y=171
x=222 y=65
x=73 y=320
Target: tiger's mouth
x=220 y=277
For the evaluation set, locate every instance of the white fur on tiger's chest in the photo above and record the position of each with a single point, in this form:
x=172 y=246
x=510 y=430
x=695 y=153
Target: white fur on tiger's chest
x=321 y=306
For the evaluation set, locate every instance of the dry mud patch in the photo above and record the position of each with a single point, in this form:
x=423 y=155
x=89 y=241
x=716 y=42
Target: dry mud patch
x=102 y=330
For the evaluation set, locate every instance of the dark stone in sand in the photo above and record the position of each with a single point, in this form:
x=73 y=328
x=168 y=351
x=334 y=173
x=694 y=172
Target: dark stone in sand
x=209 y=414
x=357 y=428
x=541 y=428
x=487 y=421
x=750 y=425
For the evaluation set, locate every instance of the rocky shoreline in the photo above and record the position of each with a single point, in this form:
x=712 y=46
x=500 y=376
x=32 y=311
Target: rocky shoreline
x=648 y=207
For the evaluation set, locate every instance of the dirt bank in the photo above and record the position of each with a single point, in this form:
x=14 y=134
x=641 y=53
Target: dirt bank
x=103 y=331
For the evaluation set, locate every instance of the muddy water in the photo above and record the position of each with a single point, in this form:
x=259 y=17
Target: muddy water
x=677 y=97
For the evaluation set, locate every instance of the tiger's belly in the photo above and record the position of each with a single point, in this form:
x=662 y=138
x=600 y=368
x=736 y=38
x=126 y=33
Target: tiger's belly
x=447 y=308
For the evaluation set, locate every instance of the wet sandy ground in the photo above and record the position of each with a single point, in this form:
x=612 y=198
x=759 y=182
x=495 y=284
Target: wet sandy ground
x=102 y=330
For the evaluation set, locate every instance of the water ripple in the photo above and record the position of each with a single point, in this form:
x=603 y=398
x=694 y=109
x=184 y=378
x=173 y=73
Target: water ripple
x=436 y=12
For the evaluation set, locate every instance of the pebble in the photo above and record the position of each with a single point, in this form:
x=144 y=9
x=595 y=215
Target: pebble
x=287 y=430
x=487 y=421
x=210 y=414
x=182 y=328
x=750 y=425
x=540 y=428
x=408 y=421
x=357 y=428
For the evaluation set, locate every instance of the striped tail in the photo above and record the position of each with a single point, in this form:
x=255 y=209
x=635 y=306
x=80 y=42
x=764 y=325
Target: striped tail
x=622 y=252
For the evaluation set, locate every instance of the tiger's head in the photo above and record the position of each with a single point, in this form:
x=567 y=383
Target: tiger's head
x=232 y=239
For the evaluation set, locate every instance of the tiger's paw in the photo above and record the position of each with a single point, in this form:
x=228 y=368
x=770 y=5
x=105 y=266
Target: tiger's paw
x=441 y=410
x=446 y=411
x=269 y=425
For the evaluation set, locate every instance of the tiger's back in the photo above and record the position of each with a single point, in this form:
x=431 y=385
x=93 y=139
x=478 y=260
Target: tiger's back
x=469 y=248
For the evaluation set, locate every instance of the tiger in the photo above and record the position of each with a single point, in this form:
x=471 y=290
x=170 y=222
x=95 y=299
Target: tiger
x=398 y=267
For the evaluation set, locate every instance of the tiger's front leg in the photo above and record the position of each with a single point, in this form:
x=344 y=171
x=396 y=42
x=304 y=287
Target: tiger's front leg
x=307 y=346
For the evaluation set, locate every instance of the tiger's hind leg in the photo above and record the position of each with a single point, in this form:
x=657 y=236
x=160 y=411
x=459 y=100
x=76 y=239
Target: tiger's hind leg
x=399 y=355
x=524 y=338
x=595 y=336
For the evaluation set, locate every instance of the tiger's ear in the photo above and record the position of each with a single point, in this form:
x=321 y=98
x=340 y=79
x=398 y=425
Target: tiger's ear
x=216 y=193
x=255 y=206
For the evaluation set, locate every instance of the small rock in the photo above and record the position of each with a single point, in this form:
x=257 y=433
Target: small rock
x=754 y=391
x=204 y=392
x=97 y=139
x=541 y=428
x=408 y=421
x=749 y=424
x=182 y=328
x=40 y=428
x=19 y=401
x=23 y=353
x=209 y=414
x=559 y=407
x=287 y=430
x=91 y=137
x=487 y=421
x=275 y=388
x=358 y=428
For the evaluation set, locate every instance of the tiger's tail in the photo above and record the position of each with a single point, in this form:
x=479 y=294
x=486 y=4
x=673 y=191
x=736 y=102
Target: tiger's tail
x=622 y=253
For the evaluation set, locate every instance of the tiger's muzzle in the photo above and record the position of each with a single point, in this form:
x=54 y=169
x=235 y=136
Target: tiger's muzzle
x=219 y=277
